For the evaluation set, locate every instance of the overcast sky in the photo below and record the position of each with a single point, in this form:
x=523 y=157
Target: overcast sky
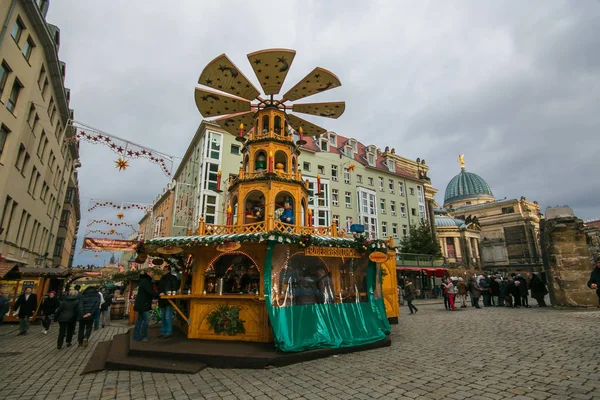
x=514 y=85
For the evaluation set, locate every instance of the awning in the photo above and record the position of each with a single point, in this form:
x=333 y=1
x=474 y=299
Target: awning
x=5 y=268
x=437 y=272
x=42 y=271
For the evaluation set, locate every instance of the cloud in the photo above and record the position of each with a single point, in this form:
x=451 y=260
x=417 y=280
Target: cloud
x=515 y=86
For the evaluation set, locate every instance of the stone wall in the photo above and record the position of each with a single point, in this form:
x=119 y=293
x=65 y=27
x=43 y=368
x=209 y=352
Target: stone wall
x=567 y=261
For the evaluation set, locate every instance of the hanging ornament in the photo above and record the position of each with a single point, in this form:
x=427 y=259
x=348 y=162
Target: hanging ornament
x=121 y=164
x=112 y=231
x=120 y=215
x=351 y=167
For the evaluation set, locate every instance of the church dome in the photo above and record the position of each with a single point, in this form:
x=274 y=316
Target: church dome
x=467 y=185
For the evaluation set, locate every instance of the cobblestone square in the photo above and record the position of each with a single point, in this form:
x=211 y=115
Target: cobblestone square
x=493 y=353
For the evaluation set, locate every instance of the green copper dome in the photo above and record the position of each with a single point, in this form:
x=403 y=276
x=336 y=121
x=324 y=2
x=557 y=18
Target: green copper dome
x=466 y=185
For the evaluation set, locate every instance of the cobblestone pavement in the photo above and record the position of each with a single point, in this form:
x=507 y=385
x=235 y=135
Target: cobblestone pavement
x=481 y=354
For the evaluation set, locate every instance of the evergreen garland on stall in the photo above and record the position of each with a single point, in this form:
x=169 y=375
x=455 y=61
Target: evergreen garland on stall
x=226 y=319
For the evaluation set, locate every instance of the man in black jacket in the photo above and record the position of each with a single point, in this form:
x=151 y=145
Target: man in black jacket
x=89 y=305
x=66 y=315
x=48 y=308
x=27 y=304
x=167 y=283
x=143 y=305
x=594 y=282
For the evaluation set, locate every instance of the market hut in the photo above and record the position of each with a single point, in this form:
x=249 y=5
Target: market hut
x=268 y=275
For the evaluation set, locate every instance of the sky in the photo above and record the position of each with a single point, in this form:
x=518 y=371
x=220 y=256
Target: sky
x=512 y=85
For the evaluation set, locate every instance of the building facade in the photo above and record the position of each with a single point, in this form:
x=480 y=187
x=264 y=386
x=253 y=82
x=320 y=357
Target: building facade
x=36 y=167
x=459 y=240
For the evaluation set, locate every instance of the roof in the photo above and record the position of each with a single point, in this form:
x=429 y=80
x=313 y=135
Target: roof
x=5 y=268
x=467 y=185
x=445 y=220
x=46 y=271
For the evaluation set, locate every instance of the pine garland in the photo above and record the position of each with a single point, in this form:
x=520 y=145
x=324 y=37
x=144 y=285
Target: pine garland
x=226 y=319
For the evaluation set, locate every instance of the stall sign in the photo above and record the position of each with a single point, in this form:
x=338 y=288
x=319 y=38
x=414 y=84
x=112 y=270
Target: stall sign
x=320 y=251
x=109 y=244
x=378 y=257
x=228 y=246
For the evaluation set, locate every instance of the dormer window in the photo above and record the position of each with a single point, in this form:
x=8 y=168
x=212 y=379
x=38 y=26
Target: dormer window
x=371 y=159
x=350 y=151
x=371 y=149
x=332 y=139
x=324 y=145
x=353 y=144
x=391 y=165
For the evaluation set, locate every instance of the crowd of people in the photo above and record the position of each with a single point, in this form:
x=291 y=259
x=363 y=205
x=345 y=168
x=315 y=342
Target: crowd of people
x=89 y=307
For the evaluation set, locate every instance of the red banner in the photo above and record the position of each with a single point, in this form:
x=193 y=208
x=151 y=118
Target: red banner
x=109 y=244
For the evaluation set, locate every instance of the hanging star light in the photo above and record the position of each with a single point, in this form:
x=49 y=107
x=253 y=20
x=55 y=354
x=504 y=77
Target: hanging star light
x=121 y=164
x=112 y=231
x=120 y=215
x=351 y=167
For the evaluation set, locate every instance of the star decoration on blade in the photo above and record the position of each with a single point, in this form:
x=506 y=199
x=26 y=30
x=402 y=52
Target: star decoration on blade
x=121 y=164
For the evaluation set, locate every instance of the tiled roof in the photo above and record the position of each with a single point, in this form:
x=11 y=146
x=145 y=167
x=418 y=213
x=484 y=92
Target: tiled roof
x=5 y=268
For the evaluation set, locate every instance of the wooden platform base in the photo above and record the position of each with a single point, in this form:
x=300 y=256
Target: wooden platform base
x=179 y=354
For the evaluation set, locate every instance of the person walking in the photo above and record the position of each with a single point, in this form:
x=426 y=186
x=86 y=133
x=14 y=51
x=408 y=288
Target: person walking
x=26 y=304
x=143 y=305
x=450 y=287
x=167 y=283
x=48 y=308
x=495 y=290
x=97 y=315
x=523 y=290
x=462 y=292
x=594 y=282
x=89 y=305
x=66 y=315
x=409 y=296
x=475 y=292
x=484 y=284
x=445 y=294
x=538 y=289
x=105 y=309
x=4 y=307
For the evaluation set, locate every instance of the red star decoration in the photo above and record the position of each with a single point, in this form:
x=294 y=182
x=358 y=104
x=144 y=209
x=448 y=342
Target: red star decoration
x=113 y=146
x=120 y=149
x=107 y=139
x=130 y=153
x=137 y=153
x=144 y=152
x=100 y=137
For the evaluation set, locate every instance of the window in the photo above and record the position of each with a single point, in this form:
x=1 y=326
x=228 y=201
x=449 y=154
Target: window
x=28 y=48
x=43 y=192
x=5 y=70
x=42 y=145
x=306 y=166
x=17 y=30
x=382 y=205
x=31 y=114
x=210 y=209
x=395 y=230
x=371 y=182
x=346 y=176
x=214 y=146
x=384 y=231
x=411 y=191
x=381 y=184
x=324 y=145
x=32 y=181
x=332 y=140
x=41 y=76
x=413 y=212
x=51 y=160
x=348 y=223
x=391 y=165
x=371 y=159
x=402 y=210
x=400 y=188
x=20 y=157
x=334 y=197
x=422 y=211
x=4 y=131
x=420 y=194
x=11 y=104
x=334 y=171
x=404 y=230
x=50 y=106
x=393 y=207
x=508 y=210
x=336 y=218
x=211 y=176
x=44 y=87
x=60 y=243
x=9 y=206
x=52 y=114
x=468 y=203
x=391 y=186
x=367 y=211
x=64 y=218
x=359 y=179
x=322 y=218
x=235 y=149
x=348 y=197
x=321 y=169
x=36 y=120
x=349 y=151
x=323 y=199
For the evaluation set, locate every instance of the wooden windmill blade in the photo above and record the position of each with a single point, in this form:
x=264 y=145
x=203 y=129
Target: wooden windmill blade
x=327 y=110
x=222 y=74
x=309 y=128
x=212 y=104
x=271 y=67
x=231 y=123
x=318 y=81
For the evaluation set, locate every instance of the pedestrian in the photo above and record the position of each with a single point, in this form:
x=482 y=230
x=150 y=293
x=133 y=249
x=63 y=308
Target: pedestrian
x=523 y=290
x=538 y=289
x=89 y=306
x=495 y=290
x=475 y=292
x=485 y=291
x=409 y=295
x=143 y=305
x=105 y=309
x=470 y=289
x=505 y=292
x=462 y=292
x=97 y=315
x=450 y=288
x=26 y=304
x=4 y=307
x=66 y=315
x=48 y=308
x=167 y=283
x=515 y=292
x=594 y=282
x=445 y=294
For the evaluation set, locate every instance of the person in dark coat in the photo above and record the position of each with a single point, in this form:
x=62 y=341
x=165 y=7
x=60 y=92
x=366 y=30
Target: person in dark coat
x=66 y=316
x=167 y=283
x=505 y=293
x=475 y=291
x=89 y=305
x=495 y=291
x=485 y=291
x=143 y=305
x=515 y=292
x=538 y=289
x=48 y=308
x=4 y=307
x=594 y=282
x=409 y=296
x=523 y=290
x=26 y=304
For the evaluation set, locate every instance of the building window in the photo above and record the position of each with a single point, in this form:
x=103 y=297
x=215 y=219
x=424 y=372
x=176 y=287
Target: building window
x=20 y=156
x=17 y=30
x=64 y=218
x=42 y=145
x=41 y=76
x=5 y=70
x=391 y=165
x=28 y=48
x=395 y=230
x=402 y=210
x=371 y=159
x=508 y=210
x=214 y=146
x=346 y=176
x=349 y=152
x=468 y=203
x=332 y=141
x=44 y=88
x=60 y=242
x=334 y=171
x=11 y=104
x=31 y=115
x=382 y=205
x=422 y=211
x=370 y=181
x=391 y=186
x=393 y=207
x=413 y=212
x=381 y=184
x=210 y=209
x=411 y=191
x=235 y=149
x=322 y=218
x=348 y=223
x=384 y=232
x=368 y=212
x=421 y=194
x=359 y=179
x=348 y=197
x=334 y=197
x=324 y=145
x=306 y=166
x=32 y=181
x=321 y=169
x=400 y=188
x=404 y=230
x=4 y=131
x=336 y=218
x=43 y=192
x=211 y=176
